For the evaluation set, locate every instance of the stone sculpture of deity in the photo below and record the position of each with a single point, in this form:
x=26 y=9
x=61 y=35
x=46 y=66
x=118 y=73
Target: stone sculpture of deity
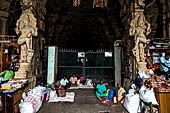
x=26 y=28
x=139 y=28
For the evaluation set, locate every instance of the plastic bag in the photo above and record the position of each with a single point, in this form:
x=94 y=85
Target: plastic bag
x=107 y=92
x=1 y=102
x=142 y=74
x=131 y=103
x=26 y=107
x=89 y=82
x=23 y=95
x=147 y=95
x=61 y=92
x=53 y=95
x=39 y=90
x=110 y=94
x=133 y=89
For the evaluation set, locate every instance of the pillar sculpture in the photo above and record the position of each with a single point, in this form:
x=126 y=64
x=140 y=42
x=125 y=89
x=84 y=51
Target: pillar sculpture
x=26 y=28
x=139 y=29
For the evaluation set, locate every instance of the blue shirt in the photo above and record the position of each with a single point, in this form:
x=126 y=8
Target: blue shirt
x=166 y=62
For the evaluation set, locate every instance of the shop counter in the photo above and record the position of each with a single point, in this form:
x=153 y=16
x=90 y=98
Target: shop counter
x=15 y=99
x=163 y=99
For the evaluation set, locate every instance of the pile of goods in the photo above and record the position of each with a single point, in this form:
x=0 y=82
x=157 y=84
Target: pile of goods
x=14 y=83
x=161 y=84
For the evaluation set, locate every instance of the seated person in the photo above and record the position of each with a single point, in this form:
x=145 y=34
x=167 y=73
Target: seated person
x=165 y=64
x=120 y=94
x=57 y=84
x=101 y=90
x=64 y=82
x=73 y=80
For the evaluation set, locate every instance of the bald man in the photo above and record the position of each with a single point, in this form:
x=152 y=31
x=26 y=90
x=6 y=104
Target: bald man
x=120 y=94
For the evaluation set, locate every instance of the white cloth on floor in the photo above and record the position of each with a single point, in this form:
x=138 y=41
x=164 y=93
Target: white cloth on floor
x=81 y=87
x=68 y=98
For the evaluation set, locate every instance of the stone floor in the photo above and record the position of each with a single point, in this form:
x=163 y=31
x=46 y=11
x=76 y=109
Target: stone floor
x=85 y=102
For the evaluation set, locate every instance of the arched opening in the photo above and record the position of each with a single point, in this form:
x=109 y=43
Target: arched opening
x=83 y=27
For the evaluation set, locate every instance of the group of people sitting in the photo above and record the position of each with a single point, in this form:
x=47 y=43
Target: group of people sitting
x=65 y=83
x=105 y=95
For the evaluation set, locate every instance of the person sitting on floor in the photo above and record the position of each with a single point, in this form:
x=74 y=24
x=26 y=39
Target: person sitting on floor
x=120 y=94
x=64 y=82
x=73 y=80
x=101 y=90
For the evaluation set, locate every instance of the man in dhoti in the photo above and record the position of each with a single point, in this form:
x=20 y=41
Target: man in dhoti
x=120 y=95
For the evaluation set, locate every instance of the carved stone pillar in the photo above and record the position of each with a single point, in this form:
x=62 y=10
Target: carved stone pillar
x=139 y=29
x=76 y=3
x=26 y=29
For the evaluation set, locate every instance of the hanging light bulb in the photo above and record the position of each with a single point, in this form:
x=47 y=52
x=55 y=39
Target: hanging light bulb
x=6 y=51
x=86 y=59
x=82 y=60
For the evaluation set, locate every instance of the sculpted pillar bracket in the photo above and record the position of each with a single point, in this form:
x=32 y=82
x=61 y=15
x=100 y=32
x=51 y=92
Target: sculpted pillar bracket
x=76 y=3
x=26 y=28
x=100 y=3
x=139 y=29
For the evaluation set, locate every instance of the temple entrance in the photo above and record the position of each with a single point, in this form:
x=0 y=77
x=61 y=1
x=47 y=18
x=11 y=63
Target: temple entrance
x=90 y=64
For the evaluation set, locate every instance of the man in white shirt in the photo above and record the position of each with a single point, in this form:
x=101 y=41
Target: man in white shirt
x=64 y=82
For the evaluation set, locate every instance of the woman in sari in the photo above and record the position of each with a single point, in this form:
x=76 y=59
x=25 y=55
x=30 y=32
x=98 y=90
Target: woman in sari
x=101 y=90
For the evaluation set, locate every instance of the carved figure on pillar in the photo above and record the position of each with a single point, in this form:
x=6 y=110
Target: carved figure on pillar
x=76 y=3
x=139 y=28
x=139 y=4
x=26 y=28
x=100 y=3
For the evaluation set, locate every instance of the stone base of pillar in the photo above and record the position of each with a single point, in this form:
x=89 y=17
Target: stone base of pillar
x=141 y=66
x=23 y=71
x=20 y=75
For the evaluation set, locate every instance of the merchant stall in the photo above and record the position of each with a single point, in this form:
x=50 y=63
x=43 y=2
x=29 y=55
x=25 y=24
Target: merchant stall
x=156 y=77
x=159 y=50
x=9 y=64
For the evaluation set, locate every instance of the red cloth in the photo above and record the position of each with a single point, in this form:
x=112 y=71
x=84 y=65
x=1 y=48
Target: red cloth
x=82 y=79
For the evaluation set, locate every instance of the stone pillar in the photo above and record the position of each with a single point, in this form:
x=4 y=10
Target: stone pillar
x=139 y=29
x=26 y=29
x=4 y=8
x=117 y=61
x=3 y=31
